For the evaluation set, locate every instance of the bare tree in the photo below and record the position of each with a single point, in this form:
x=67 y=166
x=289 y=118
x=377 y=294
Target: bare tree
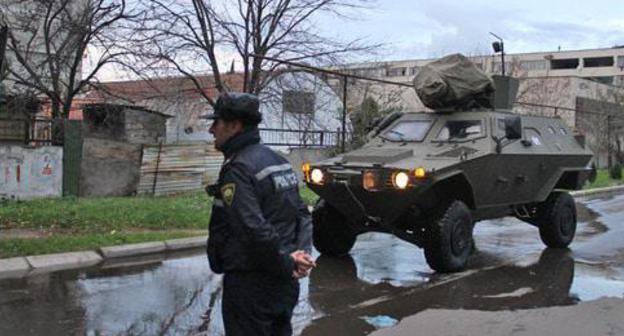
x=3 y=39
x=192 y=34
x=48 y=41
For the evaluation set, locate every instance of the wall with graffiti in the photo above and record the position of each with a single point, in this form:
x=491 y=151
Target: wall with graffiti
x=27 y=173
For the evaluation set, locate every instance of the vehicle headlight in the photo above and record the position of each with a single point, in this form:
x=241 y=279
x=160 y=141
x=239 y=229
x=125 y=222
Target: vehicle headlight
x=400 y=180
x=420 y=173
x=305 y=168
x=317 y=176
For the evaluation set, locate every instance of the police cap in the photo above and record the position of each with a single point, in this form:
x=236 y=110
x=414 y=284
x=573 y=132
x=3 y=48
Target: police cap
x=237 y=106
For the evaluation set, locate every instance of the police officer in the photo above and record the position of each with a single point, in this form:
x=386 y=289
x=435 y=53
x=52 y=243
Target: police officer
x=260 y=231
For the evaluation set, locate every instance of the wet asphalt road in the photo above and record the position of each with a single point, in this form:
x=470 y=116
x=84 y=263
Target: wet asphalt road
x=384 y=279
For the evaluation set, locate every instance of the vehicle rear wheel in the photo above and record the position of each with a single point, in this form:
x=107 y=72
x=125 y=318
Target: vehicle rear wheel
x=332 y=233
x=557 y=224
x=449 y=242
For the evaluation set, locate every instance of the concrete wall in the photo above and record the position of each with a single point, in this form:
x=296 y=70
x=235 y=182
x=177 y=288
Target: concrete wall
x=28 y=173
x=109 y=168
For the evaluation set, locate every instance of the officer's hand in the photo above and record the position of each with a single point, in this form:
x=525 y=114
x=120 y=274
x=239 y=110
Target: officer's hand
x=303 y=264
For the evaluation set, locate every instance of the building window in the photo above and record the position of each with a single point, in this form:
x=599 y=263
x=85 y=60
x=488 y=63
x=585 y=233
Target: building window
x=620 y=62
x=395 y=72
x=551 y=130
x=414 y=70
x=296 y=101
x=533 y=65
x=496 y=67
x=566 y=63
x=594 y=62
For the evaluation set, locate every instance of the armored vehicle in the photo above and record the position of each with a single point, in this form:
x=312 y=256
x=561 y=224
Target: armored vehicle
x=428 y=177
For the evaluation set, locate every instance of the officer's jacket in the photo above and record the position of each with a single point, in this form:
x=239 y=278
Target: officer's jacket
x=258 y=217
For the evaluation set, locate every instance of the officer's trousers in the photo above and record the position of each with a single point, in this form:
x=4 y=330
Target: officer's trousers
x=256 y=303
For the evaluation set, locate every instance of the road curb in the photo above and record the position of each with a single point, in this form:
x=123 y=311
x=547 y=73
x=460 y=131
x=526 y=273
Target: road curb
x=119 y=251
x=14 y=267
x=21 y=267
x=61 y=261
x=186 y=243
x=596 y=191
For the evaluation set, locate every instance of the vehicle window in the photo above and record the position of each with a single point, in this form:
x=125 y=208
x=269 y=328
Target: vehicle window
x=534 y=136
x=408 y=130
x=551 y=130
x=460 y=130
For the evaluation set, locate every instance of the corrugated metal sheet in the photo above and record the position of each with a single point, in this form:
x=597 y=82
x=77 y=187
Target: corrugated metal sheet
x=178 y=168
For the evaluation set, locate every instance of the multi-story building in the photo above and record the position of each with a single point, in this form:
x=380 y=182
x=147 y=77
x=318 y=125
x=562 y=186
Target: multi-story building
x=37 y=48
x=604 y=65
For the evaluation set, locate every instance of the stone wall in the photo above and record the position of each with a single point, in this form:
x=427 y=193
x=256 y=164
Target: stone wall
x=28 y=173
x=109 y=168
x=143 y=127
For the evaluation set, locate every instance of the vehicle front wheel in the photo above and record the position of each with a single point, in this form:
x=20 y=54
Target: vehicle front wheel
x=449 y=241
x=557 y=224
x=332 y=234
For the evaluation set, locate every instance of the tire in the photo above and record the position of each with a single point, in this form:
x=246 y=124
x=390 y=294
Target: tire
x=557 y=224
x=449 y=242
x=331 y=233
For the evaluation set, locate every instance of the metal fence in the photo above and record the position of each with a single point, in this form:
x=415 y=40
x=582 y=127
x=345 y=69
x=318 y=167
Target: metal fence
x=301 y=138
x=34 y=131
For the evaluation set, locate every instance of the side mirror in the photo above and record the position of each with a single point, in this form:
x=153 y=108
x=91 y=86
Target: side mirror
x=513 y=128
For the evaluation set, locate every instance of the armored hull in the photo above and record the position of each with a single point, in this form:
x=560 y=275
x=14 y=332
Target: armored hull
x=480 y=164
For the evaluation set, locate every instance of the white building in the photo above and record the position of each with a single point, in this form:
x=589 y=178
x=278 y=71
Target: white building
x=604 y=65
x=298 y=108
x=25 y=20
x=302 y=109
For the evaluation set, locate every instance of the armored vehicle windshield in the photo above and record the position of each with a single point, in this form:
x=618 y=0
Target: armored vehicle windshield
x=408 y=130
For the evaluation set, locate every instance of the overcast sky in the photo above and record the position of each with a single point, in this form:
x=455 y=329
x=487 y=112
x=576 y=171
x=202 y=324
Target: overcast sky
x=417 y=29
x=426 y=28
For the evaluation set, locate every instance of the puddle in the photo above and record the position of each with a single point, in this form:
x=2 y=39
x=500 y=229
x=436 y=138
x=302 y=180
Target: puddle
x=383 y=281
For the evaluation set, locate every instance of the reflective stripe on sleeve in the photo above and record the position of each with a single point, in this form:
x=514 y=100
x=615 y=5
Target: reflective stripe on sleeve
x=272 y=169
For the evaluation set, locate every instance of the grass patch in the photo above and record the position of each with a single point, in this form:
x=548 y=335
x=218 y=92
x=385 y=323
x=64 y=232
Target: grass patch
x=77 y=224
x=308 y=196
x=103 y=214
x=602 y=180
x=64 y=243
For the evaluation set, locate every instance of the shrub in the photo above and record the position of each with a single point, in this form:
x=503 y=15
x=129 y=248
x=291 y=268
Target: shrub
x=616 y=171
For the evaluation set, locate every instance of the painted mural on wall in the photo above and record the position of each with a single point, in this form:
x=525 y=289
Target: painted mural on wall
x=27 y=173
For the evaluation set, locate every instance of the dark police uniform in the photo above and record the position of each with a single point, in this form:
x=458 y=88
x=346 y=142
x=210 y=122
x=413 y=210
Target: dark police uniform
x=258 y=219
